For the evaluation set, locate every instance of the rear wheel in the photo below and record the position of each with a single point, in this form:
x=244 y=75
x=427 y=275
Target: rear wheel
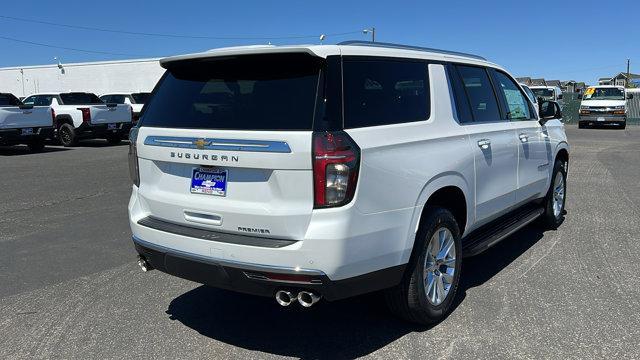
x=67 y=135
x=623 y=125
x=36 y=144
x=581 y=125
x=556 y=197
x=429 y=286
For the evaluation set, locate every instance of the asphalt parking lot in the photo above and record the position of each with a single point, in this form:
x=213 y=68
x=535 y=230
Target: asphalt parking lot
x=70 y=287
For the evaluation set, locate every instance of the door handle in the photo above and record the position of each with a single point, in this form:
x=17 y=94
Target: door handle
x=484 y=143
x=27 y=112
x=524 y=137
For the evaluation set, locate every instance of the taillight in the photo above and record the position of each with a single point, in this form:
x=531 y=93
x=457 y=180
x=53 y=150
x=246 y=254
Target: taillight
x=86 y=115
x=336 y=161
x=134 y=170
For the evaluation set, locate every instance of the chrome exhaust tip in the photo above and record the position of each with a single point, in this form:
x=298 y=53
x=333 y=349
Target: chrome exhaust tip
x=144 y=264
x=307 y=298
x=285 y=298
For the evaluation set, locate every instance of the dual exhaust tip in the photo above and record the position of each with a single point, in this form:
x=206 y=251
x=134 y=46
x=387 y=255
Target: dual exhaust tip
x=283 y=297
x=305 y=298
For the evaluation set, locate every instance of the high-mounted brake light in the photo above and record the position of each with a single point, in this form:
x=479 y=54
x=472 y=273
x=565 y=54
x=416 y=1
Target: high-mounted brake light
x=86 y=115
x=336 y=161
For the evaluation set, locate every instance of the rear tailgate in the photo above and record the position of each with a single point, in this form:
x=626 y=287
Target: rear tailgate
x=267 y=179
x=226 y=145
x=110 y=113
x=15 y=117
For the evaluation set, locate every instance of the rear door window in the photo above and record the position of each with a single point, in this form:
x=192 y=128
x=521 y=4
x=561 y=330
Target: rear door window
x=250 y=92
x=141 y=98
x=42 y=100
x=383 y=92
x=477 y=85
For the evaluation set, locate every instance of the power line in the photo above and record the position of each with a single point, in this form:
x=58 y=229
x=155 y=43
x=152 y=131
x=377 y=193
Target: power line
x=181 y=36
x=67 y=48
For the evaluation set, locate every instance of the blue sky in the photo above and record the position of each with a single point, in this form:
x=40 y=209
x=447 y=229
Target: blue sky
x=564 y=39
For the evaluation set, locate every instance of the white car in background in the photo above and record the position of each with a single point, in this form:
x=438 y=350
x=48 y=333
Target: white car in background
x=531 y=96
x=24 y=124
x=329 y=171
x=136 y=100
x=82 y=115
x=550 y=93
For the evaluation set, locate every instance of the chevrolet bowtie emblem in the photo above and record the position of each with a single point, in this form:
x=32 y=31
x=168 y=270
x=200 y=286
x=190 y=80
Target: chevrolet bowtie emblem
x=200 y=143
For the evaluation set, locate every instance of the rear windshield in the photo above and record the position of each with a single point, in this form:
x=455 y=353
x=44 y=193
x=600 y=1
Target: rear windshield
x=8 y=100
x=141 y=98
x=251 y=92
x=80 y=99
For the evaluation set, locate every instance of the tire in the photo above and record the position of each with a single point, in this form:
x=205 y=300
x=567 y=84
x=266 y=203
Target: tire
x=36 y=144
x=581 y=125
x=67 y=135
x=409 y=300
x=114 y=139
x=554 y=202
x=623 y=125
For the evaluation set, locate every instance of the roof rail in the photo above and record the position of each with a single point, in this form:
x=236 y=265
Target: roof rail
x=408 y=47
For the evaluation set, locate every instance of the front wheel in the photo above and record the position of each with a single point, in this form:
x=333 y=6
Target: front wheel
x=555 y=199
x=428 y=288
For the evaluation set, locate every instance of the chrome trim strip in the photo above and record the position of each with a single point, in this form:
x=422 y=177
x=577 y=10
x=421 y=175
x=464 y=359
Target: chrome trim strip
x=218 y=144
x=228 y=263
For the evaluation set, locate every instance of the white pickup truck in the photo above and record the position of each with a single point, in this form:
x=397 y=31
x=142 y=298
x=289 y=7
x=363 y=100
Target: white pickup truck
x=24 y=124
x=136 y=100
x=81 y=115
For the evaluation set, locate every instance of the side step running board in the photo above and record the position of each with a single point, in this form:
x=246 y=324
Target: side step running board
x=489 y=235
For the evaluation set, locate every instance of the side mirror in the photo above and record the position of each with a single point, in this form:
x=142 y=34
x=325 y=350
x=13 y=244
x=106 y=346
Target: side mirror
x=549 y=110
x=579 y=96
x=560 y=97
x=629 y=96
x=26 y=107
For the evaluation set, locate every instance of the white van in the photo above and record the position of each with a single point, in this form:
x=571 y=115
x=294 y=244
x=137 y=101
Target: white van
x=604 y=105
x=550 y=93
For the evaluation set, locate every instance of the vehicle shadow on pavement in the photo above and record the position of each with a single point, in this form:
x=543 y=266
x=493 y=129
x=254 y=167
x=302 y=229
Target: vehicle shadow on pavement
x=339 y=330
x=23 y=150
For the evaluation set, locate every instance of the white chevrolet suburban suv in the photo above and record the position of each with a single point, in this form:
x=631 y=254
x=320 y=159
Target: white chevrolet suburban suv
x=310 y=172
x=82 y=115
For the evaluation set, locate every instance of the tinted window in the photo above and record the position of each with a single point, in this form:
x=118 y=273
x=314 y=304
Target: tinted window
x=42 y=100
x=29 y=101
x=516 y=103
x=141 y=98
x=256 y=92
x=382 y=92
x=477 y=85
x=117 y=99
x=9 y=100
x=80 y=99
x=459 y=96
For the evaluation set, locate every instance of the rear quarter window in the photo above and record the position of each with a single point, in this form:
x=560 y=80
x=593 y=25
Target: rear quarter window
x=384 y=92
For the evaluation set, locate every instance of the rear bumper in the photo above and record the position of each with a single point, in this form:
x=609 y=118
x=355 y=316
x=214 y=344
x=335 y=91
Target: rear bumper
x=259 y=279
x=102 y=130
x=14 y=136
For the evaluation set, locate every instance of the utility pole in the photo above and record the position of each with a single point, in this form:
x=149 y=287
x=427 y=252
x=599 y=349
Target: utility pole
x=628 y=73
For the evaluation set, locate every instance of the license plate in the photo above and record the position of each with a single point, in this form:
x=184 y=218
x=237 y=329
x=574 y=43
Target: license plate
x=209 y=181
x=600 y=119
x=111 y=127
x=27 y=131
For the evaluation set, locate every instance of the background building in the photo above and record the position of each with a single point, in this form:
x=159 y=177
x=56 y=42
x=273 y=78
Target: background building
x=621 y=80
x=98 y=77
